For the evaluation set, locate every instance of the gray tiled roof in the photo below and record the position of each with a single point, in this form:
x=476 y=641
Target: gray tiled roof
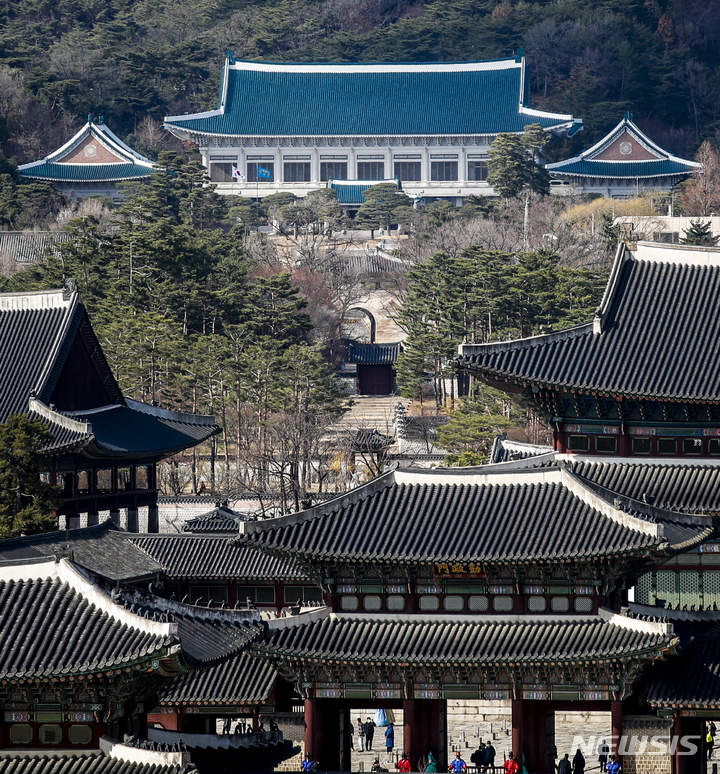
x=220 y=519
x=467 y=639
x=692 y=680
x=103 y=548
x=680 y=487
x=34 y=612
x=30 y=246
x=69 y=763
x=481 y=515
x=373 y=353
x=213 y=556
x=660 y=335
x=37 y=331
x=241 y=679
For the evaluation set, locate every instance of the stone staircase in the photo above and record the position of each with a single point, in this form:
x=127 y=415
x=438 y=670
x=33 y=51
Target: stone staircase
x=369 y=412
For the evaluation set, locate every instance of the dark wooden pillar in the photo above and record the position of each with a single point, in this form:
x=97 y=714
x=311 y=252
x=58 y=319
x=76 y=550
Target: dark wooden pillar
x=256 y=720
x=411 y=732
x=517 y=730
x=73 y=521
x=153 y=519
x=311 y=725
x=322 y=732
x=345 y=740
x=92 y=519
x=530 y=737
x=133 y=522
x=115 y=518
x=424 y=731
x=694 y=728
x=616 y=710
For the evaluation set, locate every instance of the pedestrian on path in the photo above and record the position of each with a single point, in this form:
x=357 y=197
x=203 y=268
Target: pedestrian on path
x=369 y=734
x=578 y=762
x=361 y=735
x=390 y=740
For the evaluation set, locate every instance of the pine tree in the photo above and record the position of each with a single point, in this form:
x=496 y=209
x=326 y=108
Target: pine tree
x=699 y=233
x=27 y=503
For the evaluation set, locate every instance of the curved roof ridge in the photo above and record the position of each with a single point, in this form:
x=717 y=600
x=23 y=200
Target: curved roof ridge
x=102 y=134
x=625 y=124
x=527 y=342
x=342 y=500
x=81 y=581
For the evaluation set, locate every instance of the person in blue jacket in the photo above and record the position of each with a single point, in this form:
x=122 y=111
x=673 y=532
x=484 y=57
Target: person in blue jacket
x=458 y=765
x=389 y=740
x=613 y=766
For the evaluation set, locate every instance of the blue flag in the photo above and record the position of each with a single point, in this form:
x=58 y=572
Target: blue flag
x=262 y=172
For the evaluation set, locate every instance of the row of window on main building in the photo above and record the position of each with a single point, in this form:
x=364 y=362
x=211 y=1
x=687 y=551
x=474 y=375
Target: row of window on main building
x=300 y=171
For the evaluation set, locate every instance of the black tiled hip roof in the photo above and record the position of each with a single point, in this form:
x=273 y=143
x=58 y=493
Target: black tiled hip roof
x=48 y=627
x=37 y=334
x=103 y=548
x=467 y=640
x=691 y=680
x=220 y=519
x=658 y=336
x=242 y=679
x=84 y=764
x=441 y=516
x=373 y=354
x=677 y=487
x=213 y=556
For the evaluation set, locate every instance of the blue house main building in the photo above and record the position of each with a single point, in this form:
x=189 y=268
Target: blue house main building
x=428 y=125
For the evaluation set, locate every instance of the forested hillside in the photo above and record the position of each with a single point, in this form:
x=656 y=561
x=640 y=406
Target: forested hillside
x=135 y=61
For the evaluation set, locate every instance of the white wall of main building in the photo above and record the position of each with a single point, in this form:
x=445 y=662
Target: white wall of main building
x=424 y=151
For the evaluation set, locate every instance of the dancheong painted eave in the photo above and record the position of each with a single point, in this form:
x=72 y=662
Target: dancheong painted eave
x=656 y=334
x=367 y=100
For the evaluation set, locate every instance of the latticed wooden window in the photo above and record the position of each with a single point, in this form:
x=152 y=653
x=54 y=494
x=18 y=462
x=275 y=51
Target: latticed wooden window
x=711 y=588
x=578 y=443
x=689 y=582
x=666 y=587
x=643 y=590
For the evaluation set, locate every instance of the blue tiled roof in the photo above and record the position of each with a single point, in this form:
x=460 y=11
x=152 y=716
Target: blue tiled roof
x=351 y=191
x=369 y=100
x=86 y=173
x=619 y=169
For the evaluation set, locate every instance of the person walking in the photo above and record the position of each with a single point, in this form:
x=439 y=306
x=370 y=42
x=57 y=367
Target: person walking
x=361 y=735
x=709 y=743
x=478 y=757
x=565 y=767
x=578 y=763
x=369 y=733
x=458 y=764
x=431 y=767
x=489 y=755
x=603 y=751
x=389 y=740
x=307 y=763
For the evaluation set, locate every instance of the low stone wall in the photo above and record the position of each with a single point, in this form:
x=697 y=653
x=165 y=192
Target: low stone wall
x=647 y=741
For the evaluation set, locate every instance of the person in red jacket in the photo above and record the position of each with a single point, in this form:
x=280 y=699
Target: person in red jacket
x=511 y=765
x=404 y=763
